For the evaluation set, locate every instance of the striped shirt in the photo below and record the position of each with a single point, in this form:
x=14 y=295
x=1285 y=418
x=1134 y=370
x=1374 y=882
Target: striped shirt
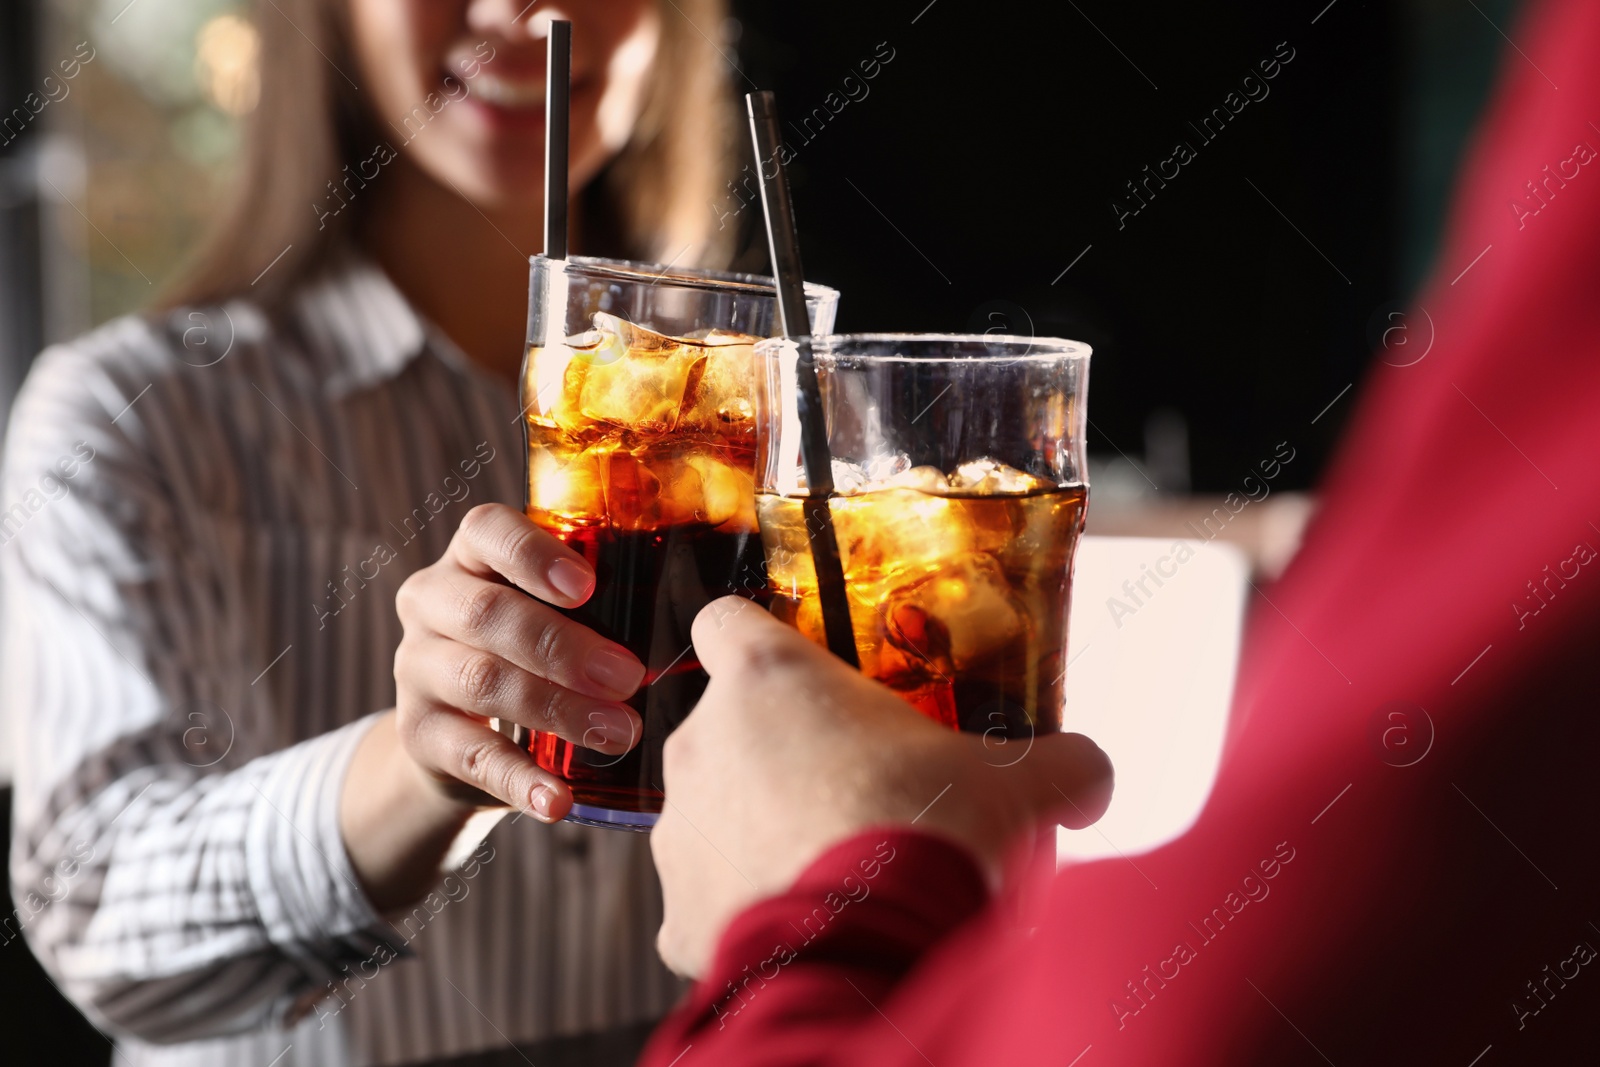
x=206 y=518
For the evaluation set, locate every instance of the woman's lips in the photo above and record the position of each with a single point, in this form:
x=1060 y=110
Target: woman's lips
x=503 y=103
x=513 y=104
x=508 y=92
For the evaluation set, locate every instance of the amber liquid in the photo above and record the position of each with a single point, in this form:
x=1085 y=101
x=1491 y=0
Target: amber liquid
x=649 y=588
x=958 y=602
x=642 y=460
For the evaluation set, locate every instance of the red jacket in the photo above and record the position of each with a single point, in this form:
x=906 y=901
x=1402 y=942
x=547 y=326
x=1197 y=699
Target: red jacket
x=1398 y=863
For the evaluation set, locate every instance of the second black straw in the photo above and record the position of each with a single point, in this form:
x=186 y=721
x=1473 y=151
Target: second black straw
x=784 y=245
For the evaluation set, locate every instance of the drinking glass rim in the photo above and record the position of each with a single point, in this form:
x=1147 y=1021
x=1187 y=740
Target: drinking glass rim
x=1056 y=348
x=718 y=281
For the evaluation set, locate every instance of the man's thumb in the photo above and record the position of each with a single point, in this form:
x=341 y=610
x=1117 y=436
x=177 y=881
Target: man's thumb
x=732 y=632
x=1067 y=777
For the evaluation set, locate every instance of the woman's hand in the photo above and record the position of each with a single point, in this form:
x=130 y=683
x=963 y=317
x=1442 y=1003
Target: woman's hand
x=476 y=648
x=790 y=752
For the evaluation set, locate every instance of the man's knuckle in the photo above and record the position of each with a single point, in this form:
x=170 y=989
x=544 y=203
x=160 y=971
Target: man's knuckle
x=762 y=658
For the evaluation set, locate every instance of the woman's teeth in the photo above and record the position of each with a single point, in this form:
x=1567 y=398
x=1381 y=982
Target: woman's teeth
x=503 y=92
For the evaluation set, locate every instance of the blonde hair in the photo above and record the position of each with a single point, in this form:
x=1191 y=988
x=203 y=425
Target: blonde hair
x=309 y=124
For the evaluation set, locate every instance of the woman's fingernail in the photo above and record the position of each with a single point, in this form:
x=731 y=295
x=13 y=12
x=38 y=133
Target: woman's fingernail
x=616 y=671
x=543 y=799
x=618 y=725
x=570 y=579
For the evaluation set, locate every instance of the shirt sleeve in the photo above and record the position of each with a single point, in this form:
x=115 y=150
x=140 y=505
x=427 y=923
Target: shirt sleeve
x=177 y=859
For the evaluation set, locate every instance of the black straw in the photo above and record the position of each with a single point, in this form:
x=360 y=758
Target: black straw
x=784 y=245
x=557 y=111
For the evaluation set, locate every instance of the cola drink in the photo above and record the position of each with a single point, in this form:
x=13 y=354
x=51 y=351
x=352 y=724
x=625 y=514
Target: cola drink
x=641 y=450
x=958 y=585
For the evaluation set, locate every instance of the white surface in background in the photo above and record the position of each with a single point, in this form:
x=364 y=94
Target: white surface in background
x=1152 y=681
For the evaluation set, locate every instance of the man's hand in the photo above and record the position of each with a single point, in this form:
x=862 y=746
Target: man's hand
x=790 y=752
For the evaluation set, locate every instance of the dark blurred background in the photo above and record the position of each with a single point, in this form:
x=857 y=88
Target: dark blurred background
x=986 y=157
x=968 y=185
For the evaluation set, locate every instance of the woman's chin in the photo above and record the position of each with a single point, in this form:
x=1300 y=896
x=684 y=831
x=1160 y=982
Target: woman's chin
x=497 y=183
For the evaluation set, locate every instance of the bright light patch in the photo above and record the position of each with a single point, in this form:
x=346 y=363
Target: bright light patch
x=227 y=58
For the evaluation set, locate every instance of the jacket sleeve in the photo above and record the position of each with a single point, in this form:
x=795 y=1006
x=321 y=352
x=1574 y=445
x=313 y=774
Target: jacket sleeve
x=804 y=977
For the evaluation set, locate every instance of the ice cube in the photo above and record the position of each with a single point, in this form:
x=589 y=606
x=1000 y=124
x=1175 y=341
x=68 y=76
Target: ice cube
x=986 y=476
x=965 y=610
x=619 y=337
x=783 y=537
x=716 y=336
x=911 y=627
x=884 y=468
x=567 y=488
x=554 y=384
x=875 y=473
x=682 y=500
x=646 y=491
x=923 y=479
x=718 y=399
x=633 y=492
x=849 y=477
x=726 y=495
x=597 y=345
x=895 y=536
x=632 y=376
